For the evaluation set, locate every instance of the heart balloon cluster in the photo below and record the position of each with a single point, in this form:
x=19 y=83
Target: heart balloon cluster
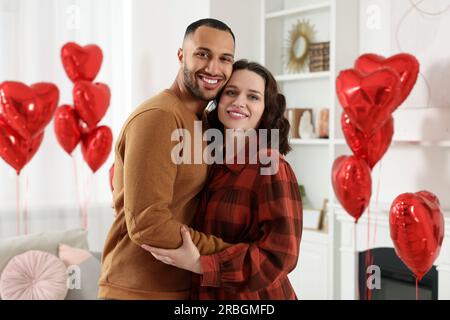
x=369 y=94
x=25 y=111
x=79 y=123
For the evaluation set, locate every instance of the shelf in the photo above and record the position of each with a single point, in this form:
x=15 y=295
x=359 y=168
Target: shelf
x=381 y=210
x=303 y=76
x=288 y=12
x=406 y=143
x=423 y=143
x=310 y=142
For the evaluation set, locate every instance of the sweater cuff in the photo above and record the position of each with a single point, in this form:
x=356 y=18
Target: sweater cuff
x=210 y=267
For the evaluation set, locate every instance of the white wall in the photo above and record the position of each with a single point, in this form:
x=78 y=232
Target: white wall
x=244 y=18
x=158 y=28
x=390 y=27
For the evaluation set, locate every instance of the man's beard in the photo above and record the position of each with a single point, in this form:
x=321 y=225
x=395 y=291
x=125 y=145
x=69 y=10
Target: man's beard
x=192 y=85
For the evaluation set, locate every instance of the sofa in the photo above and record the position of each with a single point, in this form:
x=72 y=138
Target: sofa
x=30 y=261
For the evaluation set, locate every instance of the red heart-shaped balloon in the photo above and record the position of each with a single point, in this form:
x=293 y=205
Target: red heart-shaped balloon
x=368 y=99
x=14 y=149
x=28 y=110
x=81 y=63
x=96 y=146
x=369 y=148
x=35 y=145
x=67 y=128
x=91 y=101
x=352 y=184
x=417 y=230
x=405 y=64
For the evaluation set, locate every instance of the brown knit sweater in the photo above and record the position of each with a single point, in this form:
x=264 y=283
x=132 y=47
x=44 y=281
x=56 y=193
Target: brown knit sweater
x=153 y=197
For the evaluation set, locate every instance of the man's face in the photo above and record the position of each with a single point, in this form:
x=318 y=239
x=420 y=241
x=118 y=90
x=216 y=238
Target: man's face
x=207 y=60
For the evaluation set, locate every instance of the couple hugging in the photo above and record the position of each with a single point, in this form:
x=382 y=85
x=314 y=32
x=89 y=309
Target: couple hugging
x=223 y=229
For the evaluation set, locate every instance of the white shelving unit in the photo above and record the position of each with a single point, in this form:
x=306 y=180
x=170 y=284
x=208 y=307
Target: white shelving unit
x=298 y=10
x=309 y=142
x=304 y=76
x=336 y=22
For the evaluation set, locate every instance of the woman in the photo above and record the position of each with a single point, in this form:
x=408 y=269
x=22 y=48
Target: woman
x=260 y=214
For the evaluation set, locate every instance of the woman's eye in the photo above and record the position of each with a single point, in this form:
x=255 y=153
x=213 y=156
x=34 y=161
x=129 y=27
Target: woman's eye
x=230 y=92
x=254 y=98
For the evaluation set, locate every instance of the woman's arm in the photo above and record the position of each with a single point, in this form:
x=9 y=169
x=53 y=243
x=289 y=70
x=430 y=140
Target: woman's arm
x=253 y=266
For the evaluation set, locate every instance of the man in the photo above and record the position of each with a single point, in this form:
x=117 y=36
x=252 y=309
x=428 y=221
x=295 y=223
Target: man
x=153 y=196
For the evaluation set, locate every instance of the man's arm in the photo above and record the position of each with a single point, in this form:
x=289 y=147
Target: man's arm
x=149 y=177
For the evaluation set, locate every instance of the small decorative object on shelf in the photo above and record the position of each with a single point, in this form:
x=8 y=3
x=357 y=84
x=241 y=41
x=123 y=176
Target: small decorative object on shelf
x=294 y=116
x=300 y=37
x=306 y=128
x=323 y=124
x=319 y=57
x=289 y=115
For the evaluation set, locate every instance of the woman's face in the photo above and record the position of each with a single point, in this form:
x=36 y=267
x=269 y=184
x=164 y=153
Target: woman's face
x=242 y=102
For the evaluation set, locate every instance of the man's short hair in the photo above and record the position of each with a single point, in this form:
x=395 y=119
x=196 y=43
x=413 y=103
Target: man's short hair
x=209 y=22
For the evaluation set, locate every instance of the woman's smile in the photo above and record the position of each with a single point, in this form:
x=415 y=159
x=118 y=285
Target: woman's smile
x=237 y=114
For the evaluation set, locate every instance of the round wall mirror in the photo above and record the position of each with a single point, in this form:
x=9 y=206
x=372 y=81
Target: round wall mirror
x=300 y=47
x=300 y=37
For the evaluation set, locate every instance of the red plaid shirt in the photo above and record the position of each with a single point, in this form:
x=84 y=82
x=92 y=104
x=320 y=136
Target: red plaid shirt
x=262 y=216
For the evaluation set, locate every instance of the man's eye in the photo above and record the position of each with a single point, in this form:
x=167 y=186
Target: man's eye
x=202 y=54
x=227 y=59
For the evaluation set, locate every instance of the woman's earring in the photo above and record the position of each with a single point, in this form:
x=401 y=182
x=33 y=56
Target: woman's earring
x=211 y=106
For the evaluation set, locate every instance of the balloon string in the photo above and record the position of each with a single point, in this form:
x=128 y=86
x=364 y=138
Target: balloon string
x=80 y=204
x=368 y=228
x=91 y=182
x=417 y=288
x=25 y=210
x=358 y=293
x=84 y=205
x=87 y=198
x=377 y=198
x=367 y=255
x=18 y=203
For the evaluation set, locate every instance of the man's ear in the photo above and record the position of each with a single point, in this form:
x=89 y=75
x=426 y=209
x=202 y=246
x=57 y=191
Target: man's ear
x=180 y=55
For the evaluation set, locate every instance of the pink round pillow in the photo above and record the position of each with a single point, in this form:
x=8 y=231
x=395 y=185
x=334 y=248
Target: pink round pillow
x=34 y=275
